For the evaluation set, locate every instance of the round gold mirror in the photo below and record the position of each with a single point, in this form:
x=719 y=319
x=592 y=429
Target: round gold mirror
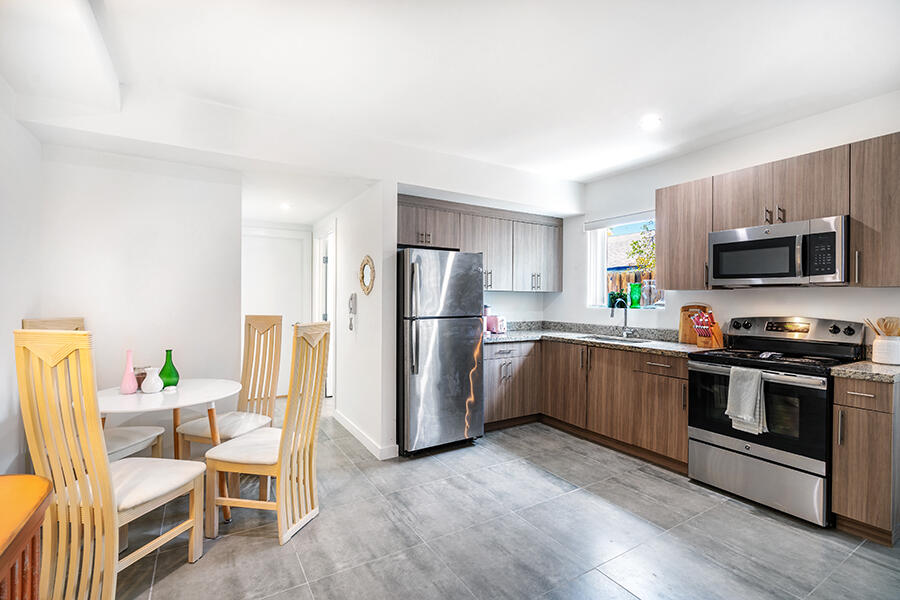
x=367 y=275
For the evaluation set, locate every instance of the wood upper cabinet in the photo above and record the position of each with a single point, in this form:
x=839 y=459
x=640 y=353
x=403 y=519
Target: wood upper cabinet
x=743 y=198
x=812 y=185
x=875 y=211
x=408 y=232
x=862 y=466
x=564 y=371
x=494 y=238
x=661 y=415
x=537 y=257
x=611 y=393
x=424 y=226
x=683 y=221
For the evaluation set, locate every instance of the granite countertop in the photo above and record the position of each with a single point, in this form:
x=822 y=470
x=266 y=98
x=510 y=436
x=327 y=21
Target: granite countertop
x=866 y=370
x=533 y=335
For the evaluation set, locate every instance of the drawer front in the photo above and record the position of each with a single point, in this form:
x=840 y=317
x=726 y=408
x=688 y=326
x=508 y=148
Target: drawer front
x=508 y=350
x=870 y=395
x=671 y=366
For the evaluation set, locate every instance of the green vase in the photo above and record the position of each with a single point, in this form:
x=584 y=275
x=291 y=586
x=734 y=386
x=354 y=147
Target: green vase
x=634 y=291
x=169 y=374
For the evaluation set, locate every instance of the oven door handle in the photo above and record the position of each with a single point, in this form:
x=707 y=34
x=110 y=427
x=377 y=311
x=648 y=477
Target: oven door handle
x=806 y=381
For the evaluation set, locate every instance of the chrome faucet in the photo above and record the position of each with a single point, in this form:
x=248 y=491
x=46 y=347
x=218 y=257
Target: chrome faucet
x=627 y=332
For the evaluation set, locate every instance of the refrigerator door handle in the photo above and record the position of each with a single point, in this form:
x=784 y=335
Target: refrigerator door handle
x=414 y=351
x=413 y=289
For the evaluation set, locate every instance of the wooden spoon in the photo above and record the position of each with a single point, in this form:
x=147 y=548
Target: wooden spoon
x=890 y=325
x=873 y=327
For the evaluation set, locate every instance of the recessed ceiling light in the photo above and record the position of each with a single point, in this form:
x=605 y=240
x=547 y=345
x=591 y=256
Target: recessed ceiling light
x=285 y=206
x=650 y=122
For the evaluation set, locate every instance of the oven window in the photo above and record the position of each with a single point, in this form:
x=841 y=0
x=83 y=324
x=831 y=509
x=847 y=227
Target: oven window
x=798 y=418
x=758 y=258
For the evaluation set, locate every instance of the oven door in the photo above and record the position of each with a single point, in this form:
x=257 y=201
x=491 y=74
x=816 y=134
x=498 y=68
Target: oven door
x=798 y=412
x=766 y=255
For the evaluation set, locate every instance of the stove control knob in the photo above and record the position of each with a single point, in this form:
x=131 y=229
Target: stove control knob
x=735 y=324
x=834 y=329
x=747 y=324
x=849 y=330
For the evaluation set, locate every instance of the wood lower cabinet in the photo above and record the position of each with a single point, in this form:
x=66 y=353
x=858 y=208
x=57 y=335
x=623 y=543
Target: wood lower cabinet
x=683 y=222
x=611 y=394
x=512 y=382
x=862 y=469
x=874 y=214
x=661 y=415
x=812 y=185
x=564 y=381
x=494 y=238
x=743 y=198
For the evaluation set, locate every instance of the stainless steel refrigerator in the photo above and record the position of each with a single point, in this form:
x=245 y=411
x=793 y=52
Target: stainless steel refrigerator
x=439 y=388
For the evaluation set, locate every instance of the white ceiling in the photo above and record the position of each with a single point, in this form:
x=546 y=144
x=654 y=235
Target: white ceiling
x=550 y=87
x=291 y=197
x=554 y=88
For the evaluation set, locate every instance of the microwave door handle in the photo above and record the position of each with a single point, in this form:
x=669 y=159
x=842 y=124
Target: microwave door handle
x=798 y=254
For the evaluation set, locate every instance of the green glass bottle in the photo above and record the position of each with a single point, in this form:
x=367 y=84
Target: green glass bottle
x=169 y=374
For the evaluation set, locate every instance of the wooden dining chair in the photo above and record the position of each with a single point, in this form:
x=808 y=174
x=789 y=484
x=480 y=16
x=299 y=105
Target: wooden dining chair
x=288 y=453
x=259 y=384
x=93 y=497
x=120 y=441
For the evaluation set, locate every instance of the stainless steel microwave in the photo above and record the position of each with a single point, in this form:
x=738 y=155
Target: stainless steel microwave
x=812 y=252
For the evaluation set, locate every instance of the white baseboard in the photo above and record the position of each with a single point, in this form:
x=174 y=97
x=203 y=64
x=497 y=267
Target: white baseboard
x=379 y=452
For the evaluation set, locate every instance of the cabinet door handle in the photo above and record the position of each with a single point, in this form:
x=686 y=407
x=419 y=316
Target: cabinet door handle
x=706 y=274
x=509 y=370
x=421 y=238
x=683 y=396
x=780 y=215
x=656 y=364
x=539 y=281
x=840 y=428
x=767 y=216
x=532 y=281
x=491 y=278
x=427 y=238
x=507 y=351
x=582 y=358
x=857 y=266
x=863 y=394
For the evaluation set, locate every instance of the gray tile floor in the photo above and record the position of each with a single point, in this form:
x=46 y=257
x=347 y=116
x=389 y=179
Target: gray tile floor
x=528 y=512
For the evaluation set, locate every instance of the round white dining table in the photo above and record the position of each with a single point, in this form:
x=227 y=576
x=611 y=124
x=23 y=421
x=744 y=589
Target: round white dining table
x=188 y=392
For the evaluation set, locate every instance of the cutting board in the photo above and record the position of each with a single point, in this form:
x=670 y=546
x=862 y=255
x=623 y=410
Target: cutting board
x=686 y=333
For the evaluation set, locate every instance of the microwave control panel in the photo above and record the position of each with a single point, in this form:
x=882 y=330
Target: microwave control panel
x=822 y=253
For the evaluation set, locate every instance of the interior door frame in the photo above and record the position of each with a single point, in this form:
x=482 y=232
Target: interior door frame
x=324 y=292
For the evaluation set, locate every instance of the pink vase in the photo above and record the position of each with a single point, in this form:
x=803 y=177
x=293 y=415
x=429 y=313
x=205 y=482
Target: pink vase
x=129 y=381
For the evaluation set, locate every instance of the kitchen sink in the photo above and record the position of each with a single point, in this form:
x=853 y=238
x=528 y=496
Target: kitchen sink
x=615 y=338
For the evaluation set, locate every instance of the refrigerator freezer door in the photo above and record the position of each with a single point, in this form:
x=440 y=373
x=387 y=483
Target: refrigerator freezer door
x=441 y=283
x=443 y=382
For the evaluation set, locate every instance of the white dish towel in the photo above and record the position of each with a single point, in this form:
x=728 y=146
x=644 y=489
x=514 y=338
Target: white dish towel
x=746 y=406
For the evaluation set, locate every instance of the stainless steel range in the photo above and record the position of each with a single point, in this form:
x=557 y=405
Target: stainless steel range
x=787 y=467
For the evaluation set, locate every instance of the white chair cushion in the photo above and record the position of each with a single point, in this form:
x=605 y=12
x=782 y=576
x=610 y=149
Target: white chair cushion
x=230 y=425
x=258 y=447
x=137 y=480
x=125 y=441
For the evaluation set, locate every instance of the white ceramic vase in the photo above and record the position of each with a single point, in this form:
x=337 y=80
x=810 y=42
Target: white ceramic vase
x=152 y=383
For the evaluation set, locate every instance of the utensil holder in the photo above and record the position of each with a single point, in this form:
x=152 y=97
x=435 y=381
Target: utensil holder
x=886 y=350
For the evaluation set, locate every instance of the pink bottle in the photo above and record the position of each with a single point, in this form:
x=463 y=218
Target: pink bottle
x=129 y=381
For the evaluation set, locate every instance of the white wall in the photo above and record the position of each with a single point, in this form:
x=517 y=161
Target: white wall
x=365 y=393
x=635 y=190
x=276 y=280
x=149 y=253
x=20 y=204
x=516 y=306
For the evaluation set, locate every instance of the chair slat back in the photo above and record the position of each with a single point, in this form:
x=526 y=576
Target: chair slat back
x=297 y=456
x=262 y=358
x=63 y=324
x=58 y=395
